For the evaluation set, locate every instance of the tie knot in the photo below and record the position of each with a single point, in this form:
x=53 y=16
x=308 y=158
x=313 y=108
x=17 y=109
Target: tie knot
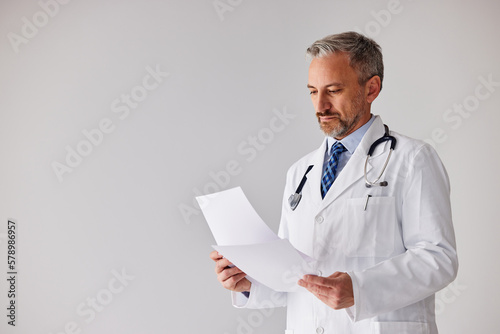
x=337 y=148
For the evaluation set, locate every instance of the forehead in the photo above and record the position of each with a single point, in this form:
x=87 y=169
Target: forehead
x=331 y=68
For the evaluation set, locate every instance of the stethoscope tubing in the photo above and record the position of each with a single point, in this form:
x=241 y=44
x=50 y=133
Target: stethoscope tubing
x=295 y=198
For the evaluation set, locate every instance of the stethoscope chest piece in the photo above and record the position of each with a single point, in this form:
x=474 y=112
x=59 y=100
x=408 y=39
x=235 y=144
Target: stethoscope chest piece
x=294 y=200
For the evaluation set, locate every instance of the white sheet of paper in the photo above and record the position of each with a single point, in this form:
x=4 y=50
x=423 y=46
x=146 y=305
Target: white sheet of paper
x=276 y=264
x=233 y=220
x=245 y=239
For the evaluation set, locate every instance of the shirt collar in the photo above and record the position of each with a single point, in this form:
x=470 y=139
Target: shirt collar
x=352 y=141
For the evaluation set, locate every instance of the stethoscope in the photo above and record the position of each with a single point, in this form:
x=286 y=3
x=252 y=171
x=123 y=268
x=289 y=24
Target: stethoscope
x=382 y=139
x=295 y=198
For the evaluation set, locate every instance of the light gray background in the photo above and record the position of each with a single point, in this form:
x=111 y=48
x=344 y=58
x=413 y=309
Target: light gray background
x=120 y=209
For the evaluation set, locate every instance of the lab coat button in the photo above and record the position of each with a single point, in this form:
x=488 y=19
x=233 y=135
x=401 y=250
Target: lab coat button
x=319 y=219
x=319 y=330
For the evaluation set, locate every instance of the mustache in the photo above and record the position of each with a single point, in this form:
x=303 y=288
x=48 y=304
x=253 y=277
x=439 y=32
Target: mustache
x=327 y=113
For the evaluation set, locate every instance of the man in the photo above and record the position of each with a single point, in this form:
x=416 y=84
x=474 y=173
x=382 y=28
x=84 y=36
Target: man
x=384 y=250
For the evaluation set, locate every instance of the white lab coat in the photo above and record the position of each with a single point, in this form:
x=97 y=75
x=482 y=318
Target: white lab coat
x=398 y=252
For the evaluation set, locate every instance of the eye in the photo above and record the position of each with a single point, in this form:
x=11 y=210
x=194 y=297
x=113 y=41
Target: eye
x=334 y=91
x=313 y=92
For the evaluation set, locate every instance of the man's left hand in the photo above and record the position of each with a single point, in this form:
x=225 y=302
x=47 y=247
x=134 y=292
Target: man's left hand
x=335 y=290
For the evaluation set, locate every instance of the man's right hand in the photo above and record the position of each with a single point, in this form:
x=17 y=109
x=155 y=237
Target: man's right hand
x=231 y=278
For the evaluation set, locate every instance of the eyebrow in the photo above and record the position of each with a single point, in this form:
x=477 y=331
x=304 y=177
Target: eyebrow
x=329 y=85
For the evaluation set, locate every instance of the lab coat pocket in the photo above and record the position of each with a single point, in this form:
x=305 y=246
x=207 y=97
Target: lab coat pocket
x=400 y=328
x=370 y=225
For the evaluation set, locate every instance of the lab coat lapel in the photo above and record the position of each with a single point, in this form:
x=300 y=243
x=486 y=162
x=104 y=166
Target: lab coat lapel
x=314 y=177
x=354 y=169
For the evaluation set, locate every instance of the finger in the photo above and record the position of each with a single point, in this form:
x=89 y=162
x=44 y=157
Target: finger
x=215 y=255
x=336 y=274
x=315 y=289
x=233 y=281
x=229 y=263
x=227 y=273
x=319 y=291
x=318 y=280
x=222 y=264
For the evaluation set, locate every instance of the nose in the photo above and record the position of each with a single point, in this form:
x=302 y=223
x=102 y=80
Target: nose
x=322 y=103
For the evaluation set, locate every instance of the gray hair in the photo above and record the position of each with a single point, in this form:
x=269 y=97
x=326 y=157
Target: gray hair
x=365 y=55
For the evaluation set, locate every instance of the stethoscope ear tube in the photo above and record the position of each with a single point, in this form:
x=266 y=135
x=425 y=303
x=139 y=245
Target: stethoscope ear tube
x=382 y=139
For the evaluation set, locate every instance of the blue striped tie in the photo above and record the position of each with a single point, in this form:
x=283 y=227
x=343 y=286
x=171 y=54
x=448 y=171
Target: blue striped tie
x=331 y=168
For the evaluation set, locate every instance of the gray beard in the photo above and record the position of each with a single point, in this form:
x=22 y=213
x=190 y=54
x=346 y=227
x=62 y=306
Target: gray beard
x=343 y=127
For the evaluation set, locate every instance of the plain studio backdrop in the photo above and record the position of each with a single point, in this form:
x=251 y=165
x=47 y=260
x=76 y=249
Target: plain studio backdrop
x=114 y=115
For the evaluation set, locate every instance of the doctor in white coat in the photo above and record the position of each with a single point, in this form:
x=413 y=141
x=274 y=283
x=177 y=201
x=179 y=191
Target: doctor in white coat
x=381 y=252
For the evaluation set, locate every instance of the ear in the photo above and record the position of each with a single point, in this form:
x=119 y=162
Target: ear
x=372 y=88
